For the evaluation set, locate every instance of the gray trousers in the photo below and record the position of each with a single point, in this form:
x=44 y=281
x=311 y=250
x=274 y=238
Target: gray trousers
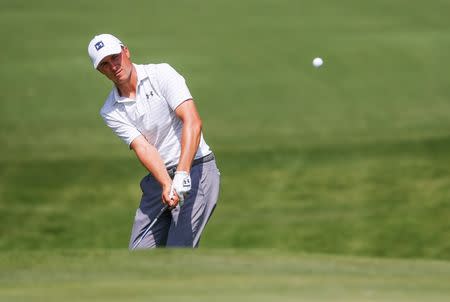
x=181 y=226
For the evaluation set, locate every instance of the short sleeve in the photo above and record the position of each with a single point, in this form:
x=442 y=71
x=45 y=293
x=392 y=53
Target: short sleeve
x=121 y=127
x=172 y=85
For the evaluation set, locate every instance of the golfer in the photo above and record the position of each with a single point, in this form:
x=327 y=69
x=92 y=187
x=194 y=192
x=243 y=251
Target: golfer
x=151 y=109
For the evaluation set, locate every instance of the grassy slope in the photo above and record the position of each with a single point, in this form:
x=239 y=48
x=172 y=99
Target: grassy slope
x=205 y=275
x=351 y=158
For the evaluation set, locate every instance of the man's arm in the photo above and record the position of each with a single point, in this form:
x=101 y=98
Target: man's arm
x=190 y=138
x=150 y=159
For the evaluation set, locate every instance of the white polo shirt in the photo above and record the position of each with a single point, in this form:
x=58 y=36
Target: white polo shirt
x=160 y=90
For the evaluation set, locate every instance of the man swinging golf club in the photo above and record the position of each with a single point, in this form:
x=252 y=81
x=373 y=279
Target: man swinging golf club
x=151 y=109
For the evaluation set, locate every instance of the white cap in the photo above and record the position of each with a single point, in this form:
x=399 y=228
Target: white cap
x=103 y=45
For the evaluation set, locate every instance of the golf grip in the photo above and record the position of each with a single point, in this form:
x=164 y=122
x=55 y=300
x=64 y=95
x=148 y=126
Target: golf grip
x=150 y=226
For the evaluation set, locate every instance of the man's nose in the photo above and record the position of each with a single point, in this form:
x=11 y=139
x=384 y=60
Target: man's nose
x=114 y=66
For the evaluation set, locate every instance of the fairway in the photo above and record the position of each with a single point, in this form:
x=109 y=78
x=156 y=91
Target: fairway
x=217 y=275
x=335 y=181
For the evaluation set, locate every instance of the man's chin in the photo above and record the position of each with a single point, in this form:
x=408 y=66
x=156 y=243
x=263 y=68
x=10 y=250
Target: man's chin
x=118 y=80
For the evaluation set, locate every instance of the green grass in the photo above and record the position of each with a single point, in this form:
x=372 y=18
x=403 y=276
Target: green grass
x=350 y=160
x=219 y=275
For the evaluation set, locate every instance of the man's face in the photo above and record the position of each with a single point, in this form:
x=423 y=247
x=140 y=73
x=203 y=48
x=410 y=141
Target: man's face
x=117 y=67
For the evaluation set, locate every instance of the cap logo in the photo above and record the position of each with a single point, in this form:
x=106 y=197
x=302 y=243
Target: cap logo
x=99 y=45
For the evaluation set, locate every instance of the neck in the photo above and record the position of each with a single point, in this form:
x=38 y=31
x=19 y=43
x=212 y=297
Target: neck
x=128 y=89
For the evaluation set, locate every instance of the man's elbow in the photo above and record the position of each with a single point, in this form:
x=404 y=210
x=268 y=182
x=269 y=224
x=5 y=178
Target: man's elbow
x=139 y=144
x=198 y=125
x=195 y=125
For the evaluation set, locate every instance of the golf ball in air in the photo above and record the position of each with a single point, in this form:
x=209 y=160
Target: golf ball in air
x=317 y=62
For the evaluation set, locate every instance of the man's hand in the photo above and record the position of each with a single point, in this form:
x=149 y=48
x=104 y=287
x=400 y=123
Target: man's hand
x=181 y=184
x=168 y=197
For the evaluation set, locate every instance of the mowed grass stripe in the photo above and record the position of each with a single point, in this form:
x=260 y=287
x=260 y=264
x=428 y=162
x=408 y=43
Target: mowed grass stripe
x=326 y=199
x=221 y=275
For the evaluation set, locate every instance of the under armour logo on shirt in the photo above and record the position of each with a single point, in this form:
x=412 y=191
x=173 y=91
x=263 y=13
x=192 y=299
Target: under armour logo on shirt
x=148 y=95
x=99 y=45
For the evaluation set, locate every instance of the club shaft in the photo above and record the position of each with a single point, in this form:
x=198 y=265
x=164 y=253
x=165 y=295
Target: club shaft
x=163 y=209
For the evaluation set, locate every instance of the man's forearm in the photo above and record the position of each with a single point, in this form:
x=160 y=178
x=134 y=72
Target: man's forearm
x=150 y=159
x=190 y=140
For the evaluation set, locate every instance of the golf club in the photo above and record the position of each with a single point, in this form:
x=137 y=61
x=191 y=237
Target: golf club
x=150 y=226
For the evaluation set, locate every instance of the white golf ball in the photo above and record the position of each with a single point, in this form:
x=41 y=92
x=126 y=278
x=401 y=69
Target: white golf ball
x=317 y=62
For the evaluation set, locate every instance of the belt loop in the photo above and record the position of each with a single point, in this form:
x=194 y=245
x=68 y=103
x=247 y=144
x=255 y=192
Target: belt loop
x=171 y=172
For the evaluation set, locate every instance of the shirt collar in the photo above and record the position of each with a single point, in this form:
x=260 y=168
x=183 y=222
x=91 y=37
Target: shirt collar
x=141 y=76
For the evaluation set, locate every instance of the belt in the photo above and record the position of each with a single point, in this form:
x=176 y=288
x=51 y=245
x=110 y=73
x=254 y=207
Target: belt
x=171 y=170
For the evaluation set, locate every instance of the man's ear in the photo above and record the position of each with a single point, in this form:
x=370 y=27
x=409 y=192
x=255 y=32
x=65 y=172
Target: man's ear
x=127 y=51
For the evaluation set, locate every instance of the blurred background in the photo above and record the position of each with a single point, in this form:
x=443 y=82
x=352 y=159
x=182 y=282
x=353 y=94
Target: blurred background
x=347 y=160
